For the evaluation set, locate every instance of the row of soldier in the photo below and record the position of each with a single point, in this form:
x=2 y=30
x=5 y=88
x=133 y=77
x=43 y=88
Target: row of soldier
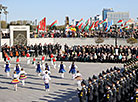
x=112 y=85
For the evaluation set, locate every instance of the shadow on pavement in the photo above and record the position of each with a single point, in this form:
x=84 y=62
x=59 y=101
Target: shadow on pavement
x=61 y=96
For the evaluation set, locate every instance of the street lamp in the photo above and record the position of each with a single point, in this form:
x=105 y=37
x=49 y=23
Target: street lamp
x=116 y=35
x=2 y=8
x=6 y=13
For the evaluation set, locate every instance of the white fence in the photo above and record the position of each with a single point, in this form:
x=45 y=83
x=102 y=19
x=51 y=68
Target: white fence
x=71 y=41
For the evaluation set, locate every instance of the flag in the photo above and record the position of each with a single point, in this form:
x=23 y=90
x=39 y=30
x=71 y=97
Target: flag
x=37 y=29
x=121 y=30
x=120 y=22
x=80 y=22
x=80 y=26
x=42 y=25
x=108 y=26
x=86 y=25
x=130 y=21
x=127 y=27
x=103 y=22
x=53 y=24
x=87 y=22
x=96 y=24
x=91 y=26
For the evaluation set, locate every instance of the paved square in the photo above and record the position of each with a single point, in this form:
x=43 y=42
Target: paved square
x=61 y=90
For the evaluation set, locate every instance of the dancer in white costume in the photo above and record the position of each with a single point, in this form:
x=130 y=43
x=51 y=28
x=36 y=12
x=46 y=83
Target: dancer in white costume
x=28 y=58
x=78 y=77
x=46 y=79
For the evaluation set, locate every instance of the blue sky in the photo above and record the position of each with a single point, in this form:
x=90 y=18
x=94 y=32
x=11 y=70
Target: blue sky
x=58 y=9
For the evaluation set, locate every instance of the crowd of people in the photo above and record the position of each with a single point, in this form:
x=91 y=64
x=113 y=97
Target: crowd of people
x=84 y=53
x=42 y=70
x=5 y=35
x=98 y=53
x=63 y=34
x=33 y=50
x=112 y=85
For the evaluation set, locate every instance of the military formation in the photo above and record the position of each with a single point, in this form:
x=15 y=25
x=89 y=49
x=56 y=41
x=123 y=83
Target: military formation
x=113 y=85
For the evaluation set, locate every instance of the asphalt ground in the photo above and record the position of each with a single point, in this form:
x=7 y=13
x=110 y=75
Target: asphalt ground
x=61 y=90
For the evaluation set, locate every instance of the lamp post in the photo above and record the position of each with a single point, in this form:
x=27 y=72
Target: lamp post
x=6 y=13
x=116 y=35
x=1 y=9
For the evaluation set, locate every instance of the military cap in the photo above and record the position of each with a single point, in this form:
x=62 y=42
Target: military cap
x=100 y=75
x=103 y=72
x=90 y=79
x=83 y=82
x=107 y=71
x=94 y=77
x=111 y=69
x=115 y=68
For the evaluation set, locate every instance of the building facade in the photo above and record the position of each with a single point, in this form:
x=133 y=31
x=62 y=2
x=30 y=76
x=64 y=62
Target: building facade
x=116 y=16
x=105 y=11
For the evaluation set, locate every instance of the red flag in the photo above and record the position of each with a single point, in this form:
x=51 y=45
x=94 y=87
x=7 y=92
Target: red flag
x=96 y=24
x=91 y=26
x=42 y=25
x=80 y=26
x=120 y=22
x=53 y=24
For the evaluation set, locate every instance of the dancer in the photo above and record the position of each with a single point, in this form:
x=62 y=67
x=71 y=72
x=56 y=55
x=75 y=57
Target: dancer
x=22 y=76
x=72 y=69
x=47 y=66
x=28 y=58
x=46 y=70
x=38 y=69
x=17 y=60
x=62 y=69
x=43 y=59
x=34 y=61
x=7 y=68
x=43 y=66
x=17 y=68
x=8 y=59
x=51 y=56
x=46 y=79
x=54 y=62
x=15 y=80
x=78 y=77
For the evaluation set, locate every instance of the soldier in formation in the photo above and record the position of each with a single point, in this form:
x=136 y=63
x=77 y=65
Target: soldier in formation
x=112 y=85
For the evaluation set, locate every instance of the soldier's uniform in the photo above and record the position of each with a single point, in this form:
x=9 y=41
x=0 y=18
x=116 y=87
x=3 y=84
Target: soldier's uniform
x=95 y=90
x=108 y=95
x=82 y=93
x=135 y=98
x=101 y=87
x=118 y=90
x=90 y=91
x=114 y=91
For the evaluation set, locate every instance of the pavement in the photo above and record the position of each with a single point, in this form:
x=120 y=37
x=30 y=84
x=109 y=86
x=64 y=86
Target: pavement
x=61 y=90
